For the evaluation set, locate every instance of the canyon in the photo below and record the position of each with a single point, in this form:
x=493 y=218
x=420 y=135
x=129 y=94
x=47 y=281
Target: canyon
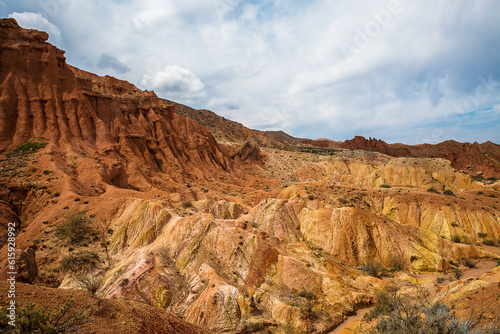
x=191 y=223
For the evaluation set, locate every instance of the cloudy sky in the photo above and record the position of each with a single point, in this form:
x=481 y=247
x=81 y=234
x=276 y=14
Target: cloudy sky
x=399 y=70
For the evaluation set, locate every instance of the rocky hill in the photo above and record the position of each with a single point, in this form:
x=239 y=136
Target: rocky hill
x=228 y=131
x=172 y=229
x=482 y=160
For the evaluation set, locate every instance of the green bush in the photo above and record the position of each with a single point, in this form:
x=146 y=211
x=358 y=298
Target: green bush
x=488 y=242
x=448 y=192
x=80 y=260
x=26 y=148
x=440 y=280
x=433 y=190
x=456 y=238
x=457 y=273
x=76 y=227
x=91 y=283
x=187 y=204
x=482 y=235
x=306 y=294
x=478 y=178
x=396 y=313
x=385 y=186
x=31 y=319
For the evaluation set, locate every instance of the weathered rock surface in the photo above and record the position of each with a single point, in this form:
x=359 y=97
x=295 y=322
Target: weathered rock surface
x=221 y=274
x=357 y=237
x=26 y=267
x=81 y=113
x=480 y=159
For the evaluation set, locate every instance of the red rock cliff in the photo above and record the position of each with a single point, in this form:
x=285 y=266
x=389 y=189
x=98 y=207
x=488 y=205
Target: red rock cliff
x=42 y=96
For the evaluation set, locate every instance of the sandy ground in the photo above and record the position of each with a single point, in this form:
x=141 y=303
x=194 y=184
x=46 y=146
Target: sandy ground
x=430 y=282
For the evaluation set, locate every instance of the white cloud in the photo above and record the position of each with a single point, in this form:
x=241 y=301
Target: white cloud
x=280 y=64
x=176 y=83
x=32 y=20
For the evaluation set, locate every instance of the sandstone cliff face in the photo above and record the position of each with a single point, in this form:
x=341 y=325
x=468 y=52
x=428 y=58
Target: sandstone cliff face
x=81 y=113
x=422 y=173
x=446 y=217
x=357 y=237
x=226 y=275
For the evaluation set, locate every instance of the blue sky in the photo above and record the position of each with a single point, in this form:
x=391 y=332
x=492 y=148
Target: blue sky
x=398 y=70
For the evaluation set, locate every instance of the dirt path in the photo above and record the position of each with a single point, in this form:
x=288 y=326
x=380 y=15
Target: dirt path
x=352 y=319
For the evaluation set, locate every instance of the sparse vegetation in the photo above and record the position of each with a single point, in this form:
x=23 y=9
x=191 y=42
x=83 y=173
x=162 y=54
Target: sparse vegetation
x=306 y=294
x=76 y=227
x=457 y=273
x=26 y=148
x=31 y=319
x=397 y=261
x=433 y=190
x=91 y=283
x=478 y=178
x=465 y=239
x=482 y=235
x=342 y=201
x=470 y=263
x=440 y=280
x=187 y=204
x=396 y=313
x=456 y=238
x=385 y=186
x=80 y=260
x=488 y=242
x=317 y=150
x=448 y=192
